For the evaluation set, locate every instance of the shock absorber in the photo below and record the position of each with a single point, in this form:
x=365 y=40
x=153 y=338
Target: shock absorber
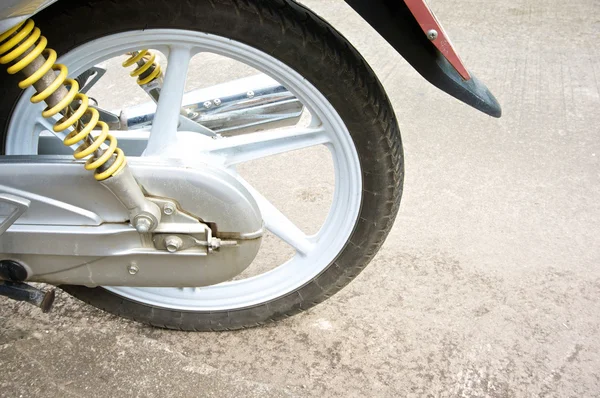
x=149 y=75
x=62 y=96
x=147 y=69
x=148 y=72
x=24 y=48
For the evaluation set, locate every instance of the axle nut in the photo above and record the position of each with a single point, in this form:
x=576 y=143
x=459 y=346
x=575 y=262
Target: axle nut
x=173 y=243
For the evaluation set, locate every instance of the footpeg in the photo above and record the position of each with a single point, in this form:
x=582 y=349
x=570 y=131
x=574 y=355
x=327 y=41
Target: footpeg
x=11 y=275
x=24 y=292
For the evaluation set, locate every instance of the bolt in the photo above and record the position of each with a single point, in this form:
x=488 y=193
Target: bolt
x=143 y=224
x=169 y=209
x=173 y=243
x=214 y=244
x=133 y=268
x=217 y=102
x=250 y=94
x=432 y=34
x=207 y=104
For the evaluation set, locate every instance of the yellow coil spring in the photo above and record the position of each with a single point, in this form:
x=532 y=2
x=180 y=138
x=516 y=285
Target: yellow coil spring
x=148 y=59
x=20 y=39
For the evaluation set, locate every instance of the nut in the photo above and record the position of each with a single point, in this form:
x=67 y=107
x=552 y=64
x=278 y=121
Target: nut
x=143 y=224
x=173 y=243
x=217 y=102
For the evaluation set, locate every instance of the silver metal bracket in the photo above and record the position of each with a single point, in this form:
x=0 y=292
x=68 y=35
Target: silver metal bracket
x=19 y=205
x=174 y=243
x=179 y=231
x=90 y=77
x=175 y=220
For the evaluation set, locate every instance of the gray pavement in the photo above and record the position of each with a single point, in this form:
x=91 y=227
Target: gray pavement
x=488 y=286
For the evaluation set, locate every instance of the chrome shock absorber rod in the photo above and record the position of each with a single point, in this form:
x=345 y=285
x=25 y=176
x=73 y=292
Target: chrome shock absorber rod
x=24 y=48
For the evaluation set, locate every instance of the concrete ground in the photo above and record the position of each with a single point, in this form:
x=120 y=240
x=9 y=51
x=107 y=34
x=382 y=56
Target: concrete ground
x=489 y=283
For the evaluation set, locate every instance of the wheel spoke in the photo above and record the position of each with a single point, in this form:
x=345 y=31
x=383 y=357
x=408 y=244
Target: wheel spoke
x=279 y=224
x=246 y=147
x=166 y=119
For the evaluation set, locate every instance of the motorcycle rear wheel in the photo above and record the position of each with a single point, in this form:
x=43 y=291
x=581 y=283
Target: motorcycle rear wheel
x=301 y=40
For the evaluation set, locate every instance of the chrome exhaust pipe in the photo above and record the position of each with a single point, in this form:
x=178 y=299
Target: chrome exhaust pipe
x=241 y=106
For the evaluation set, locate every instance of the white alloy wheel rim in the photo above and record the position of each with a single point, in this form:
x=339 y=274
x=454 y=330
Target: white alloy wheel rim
x=313 y=254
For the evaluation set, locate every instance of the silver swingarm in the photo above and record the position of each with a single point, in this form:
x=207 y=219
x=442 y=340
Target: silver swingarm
x=75 y=231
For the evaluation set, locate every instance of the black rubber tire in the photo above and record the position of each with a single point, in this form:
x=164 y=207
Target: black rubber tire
x=299 y=38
